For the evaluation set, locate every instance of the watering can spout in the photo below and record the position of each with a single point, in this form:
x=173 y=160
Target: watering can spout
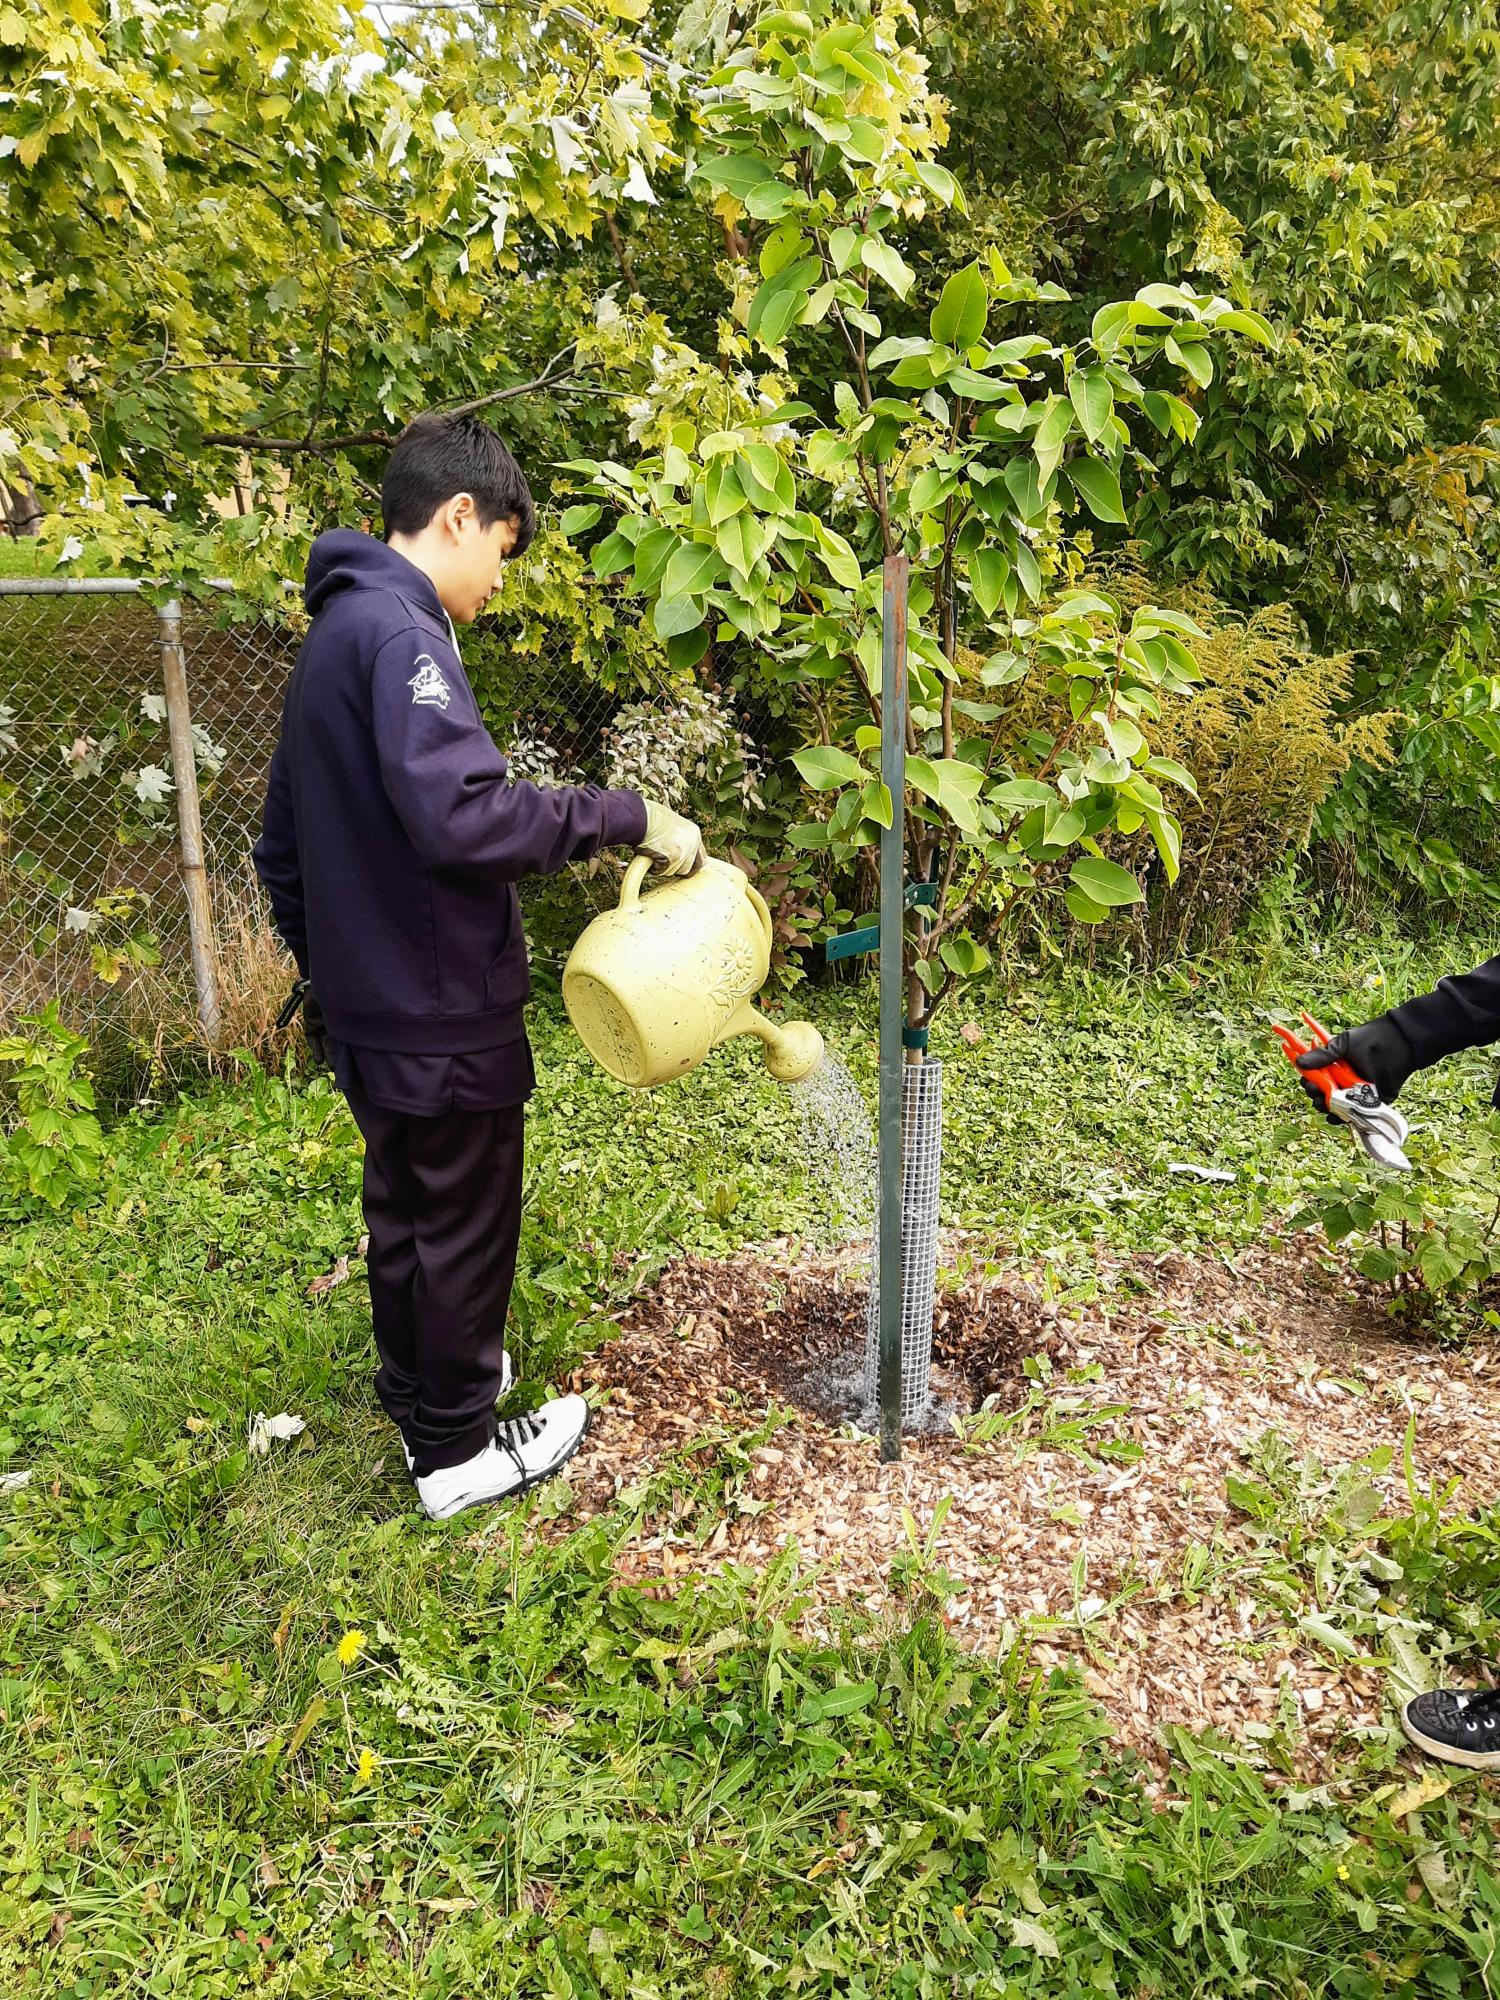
x=791 y=1052
x=652 y=986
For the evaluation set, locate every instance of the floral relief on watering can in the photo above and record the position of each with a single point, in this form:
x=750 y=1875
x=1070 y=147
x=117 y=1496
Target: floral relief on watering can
x=653 y=985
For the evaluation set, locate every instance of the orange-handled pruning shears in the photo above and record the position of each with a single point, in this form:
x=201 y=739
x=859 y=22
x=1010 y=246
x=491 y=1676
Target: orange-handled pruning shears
x=1349 y=1097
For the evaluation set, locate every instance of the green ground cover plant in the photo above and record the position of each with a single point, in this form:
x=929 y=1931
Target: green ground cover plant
x=265 y=1731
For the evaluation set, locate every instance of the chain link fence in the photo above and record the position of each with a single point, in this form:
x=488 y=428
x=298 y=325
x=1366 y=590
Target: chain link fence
x=97 y=838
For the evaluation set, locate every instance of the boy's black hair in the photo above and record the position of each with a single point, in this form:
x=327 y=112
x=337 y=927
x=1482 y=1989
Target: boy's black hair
x=436 y=457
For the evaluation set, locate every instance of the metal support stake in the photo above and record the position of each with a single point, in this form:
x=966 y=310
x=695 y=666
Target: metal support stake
x=189 y=821
x=892 y=991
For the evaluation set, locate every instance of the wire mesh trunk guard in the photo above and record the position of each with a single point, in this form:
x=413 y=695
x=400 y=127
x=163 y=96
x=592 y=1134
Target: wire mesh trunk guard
x=921 y=1173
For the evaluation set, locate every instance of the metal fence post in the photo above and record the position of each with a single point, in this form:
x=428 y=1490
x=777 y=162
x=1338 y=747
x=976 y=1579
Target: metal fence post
x=189 y=821
x=892 y=993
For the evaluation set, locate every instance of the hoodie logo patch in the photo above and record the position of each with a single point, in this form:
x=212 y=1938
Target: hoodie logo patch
x=428 y=688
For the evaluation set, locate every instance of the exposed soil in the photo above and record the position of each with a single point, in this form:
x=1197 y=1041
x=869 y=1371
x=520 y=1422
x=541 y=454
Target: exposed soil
x=1190 y=1359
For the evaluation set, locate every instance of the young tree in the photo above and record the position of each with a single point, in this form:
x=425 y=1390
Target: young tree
x=755 y=517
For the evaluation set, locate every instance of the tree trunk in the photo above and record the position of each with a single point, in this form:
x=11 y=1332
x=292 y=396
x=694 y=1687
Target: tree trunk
x=23 y=512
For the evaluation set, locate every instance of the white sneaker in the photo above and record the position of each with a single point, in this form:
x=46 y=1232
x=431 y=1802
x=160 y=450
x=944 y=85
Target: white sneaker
x=523 y=1452
x=507 y=1376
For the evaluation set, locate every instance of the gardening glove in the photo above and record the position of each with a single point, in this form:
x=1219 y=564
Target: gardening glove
x=674 y=844
x=1378 y=1051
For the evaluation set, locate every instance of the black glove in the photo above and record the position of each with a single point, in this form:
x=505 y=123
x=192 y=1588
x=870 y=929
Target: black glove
x=315 y=1033
x=1378 y=1051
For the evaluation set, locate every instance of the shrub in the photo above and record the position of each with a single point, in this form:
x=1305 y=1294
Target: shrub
x=51 y=1151
x=1425 y=1242
x=1265 y=744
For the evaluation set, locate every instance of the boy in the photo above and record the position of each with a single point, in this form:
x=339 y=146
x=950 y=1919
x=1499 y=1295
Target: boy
x=1458 y=1726
x=392 y=841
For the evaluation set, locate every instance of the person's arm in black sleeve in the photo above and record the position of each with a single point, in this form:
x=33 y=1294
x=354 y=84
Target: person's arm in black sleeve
x=451 y=787
x=278 y=864
x=1462 y=1012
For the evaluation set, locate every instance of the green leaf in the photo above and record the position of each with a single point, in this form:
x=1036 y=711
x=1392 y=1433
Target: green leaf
x=742 y=540
x=1173 y=772
x=846 y=1700
x=1167 y=835
x=1093 y=398
x=824 y=768
x=1000 y=669
x=938 y=181
x=1083 y=909
x=1057 y=421
x=1099 y=487
x=722 y=491
x=843 y=247
x=958 y=318
x=778 y=304
x=1104 y=882
x=693 y=569
x=951 y=785
x=876 y=804
x=736 y=173
x=808 y=835
x=899 y=347
x=885 y=261
x=1152 y=618
x=1083 y=604
x=1029 y=1935
x=576 y=519
x=767 y=469
x=930 y=489
x=1021 y=794
x=1250 y=324
x=1194 y=357
x=1122 y=736
x=611 y=555
x=674 y=615
x=653 y=552
x=988 y=570
x=686 y=649
x=963 y=955
x=839 y=559
x=1024 y=484
x=867 y=140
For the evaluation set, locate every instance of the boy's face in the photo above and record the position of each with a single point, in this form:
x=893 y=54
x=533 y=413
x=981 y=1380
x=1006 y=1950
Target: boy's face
x=472 y=558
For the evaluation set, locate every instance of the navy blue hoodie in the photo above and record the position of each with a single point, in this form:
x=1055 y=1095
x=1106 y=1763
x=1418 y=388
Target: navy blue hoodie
x=393 y=833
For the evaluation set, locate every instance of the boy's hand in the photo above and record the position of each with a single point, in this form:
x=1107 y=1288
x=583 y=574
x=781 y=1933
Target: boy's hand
x=315 y=1033
x=1378 y=1052
x=673 y=843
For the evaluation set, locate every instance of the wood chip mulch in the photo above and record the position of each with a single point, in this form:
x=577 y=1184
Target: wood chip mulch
x=1205 y=1355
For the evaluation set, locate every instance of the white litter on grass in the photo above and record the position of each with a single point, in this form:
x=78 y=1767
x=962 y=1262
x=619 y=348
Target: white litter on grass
x=12 y=1482
x=1199 y=1173
x=263 y=1429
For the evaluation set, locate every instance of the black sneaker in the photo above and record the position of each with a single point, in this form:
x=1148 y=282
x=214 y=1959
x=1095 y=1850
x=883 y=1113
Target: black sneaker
x=1458 y=1726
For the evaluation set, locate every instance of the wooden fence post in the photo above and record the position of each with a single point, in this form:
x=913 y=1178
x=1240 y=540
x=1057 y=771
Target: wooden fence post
x=189 y=821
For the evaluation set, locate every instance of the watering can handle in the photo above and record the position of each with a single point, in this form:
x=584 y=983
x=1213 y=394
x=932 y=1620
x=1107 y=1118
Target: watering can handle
x=640 y=868
x=635 y=875
x=758 y=904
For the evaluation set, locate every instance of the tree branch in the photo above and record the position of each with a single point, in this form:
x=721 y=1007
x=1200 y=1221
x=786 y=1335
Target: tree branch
x=551 y=376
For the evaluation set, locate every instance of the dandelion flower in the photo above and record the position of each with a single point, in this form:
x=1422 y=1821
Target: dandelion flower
x=369 y=1764
x=351 y=1646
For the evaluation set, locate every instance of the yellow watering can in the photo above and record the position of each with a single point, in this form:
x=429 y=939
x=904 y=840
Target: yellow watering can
x=652 y=986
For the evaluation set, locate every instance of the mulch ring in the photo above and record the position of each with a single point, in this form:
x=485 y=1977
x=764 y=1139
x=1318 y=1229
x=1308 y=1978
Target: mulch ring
x=1190 y=1359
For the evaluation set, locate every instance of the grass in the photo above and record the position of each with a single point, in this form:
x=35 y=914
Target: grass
x=526 y=1780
